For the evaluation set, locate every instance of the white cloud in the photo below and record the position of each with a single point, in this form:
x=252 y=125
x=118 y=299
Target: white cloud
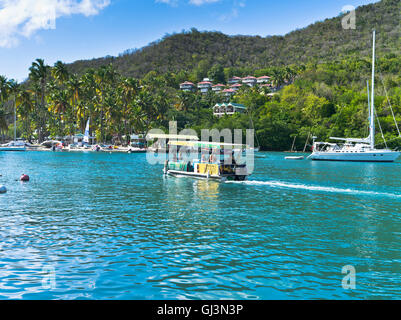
x=193 y=2
x=227 y=17
x=231 y=12
x=170 y=2
x=25 y=17
x=201 y=2
x=235 y=11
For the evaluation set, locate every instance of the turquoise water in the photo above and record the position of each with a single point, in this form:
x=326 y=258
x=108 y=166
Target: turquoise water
x=111 y=226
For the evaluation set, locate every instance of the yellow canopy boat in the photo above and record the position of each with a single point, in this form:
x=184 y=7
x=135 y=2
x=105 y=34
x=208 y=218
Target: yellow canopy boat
x=208 y=160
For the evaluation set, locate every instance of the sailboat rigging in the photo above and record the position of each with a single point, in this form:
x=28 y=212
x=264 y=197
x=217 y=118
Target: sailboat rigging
x=359 y=150
x=14 y=145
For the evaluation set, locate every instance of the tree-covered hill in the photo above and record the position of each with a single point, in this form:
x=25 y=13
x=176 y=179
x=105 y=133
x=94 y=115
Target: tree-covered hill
x=320 y=42
x=322 y=71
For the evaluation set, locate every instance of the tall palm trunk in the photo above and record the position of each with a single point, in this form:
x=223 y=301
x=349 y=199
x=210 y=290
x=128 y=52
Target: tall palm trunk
x=101 y=125
x=42 y=111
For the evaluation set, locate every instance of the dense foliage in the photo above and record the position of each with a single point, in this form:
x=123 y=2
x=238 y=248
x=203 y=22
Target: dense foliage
x=193 y=53
x=323 y=97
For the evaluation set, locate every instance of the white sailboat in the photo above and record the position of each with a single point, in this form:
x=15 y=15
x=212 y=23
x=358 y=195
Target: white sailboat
x=359 y=150
x=14 y=145
x=87 y=136
x=82 y=146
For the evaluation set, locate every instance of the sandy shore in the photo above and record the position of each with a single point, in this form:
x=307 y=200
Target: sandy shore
x=119 y=150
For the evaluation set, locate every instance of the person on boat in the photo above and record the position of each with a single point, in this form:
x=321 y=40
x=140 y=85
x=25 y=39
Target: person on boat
x=230 y=159
x=212 y=158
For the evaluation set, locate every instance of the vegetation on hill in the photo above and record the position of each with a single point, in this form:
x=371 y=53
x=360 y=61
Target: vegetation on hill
x=325 y=96
x=191 y=54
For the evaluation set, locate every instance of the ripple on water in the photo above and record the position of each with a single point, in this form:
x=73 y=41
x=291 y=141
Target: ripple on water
x=112 y=227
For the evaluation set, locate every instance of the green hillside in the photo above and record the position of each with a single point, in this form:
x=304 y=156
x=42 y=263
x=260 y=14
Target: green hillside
x=320 y=42
x=321 y=70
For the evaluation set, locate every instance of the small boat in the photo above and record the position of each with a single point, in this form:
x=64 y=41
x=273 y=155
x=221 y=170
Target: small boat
x=295 y=158
x=136 y=150
x=58 y=147
x=96 y=148
x=78 y=147
x=13 y=146
x=50 y=143
x=137 y=144
x=206 y=160
x=81 y=146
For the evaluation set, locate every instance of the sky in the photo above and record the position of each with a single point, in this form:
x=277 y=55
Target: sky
x=70 y=30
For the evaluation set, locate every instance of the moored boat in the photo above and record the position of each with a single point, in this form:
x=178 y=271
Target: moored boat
x=294 y=158
x=357 y=150
x=13 y=146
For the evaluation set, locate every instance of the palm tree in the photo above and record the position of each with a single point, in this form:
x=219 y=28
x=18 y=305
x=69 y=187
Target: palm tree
x=112 y=114
x=128 y=89
x=277 y=77
x=85 y=108
x=3 y=89
x=60 y=72
x=25 y=108
x=3 y=122
x=74 y=86
x=14 y=89
x=8 y=89
x=3 y=98
x=38 y=74
x=105 y=78
x=185 y=100
x=144 y=112
x=58 y=100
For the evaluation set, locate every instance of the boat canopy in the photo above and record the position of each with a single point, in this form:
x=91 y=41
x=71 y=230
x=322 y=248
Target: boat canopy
x=135 y=136
x=206 y=144
x=171 y=136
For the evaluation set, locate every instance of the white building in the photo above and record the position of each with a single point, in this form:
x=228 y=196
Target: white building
x=228 y=92
x=234 y=80
x=249 y=80
x=221 y=109
x=204 y=86
x=187 y=86
x=236 y=86
x=263 y=79
x=218 y=88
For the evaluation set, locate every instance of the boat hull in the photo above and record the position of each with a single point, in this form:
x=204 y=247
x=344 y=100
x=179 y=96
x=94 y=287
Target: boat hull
x=368 y=156
x=206 y=176
x=15 y=149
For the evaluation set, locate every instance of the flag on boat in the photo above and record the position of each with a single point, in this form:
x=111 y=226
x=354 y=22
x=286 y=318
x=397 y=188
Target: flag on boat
x=86 y=138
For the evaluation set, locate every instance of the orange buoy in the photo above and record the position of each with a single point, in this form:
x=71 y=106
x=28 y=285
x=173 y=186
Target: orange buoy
x=24 y=178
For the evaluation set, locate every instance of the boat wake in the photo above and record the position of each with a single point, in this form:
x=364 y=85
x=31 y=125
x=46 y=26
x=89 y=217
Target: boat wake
x=285 y=185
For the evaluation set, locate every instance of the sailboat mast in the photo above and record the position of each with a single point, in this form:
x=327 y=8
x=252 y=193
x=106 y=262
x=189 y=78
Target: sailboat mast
x=367 y=83
x=15 y=120
x=372 y=104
